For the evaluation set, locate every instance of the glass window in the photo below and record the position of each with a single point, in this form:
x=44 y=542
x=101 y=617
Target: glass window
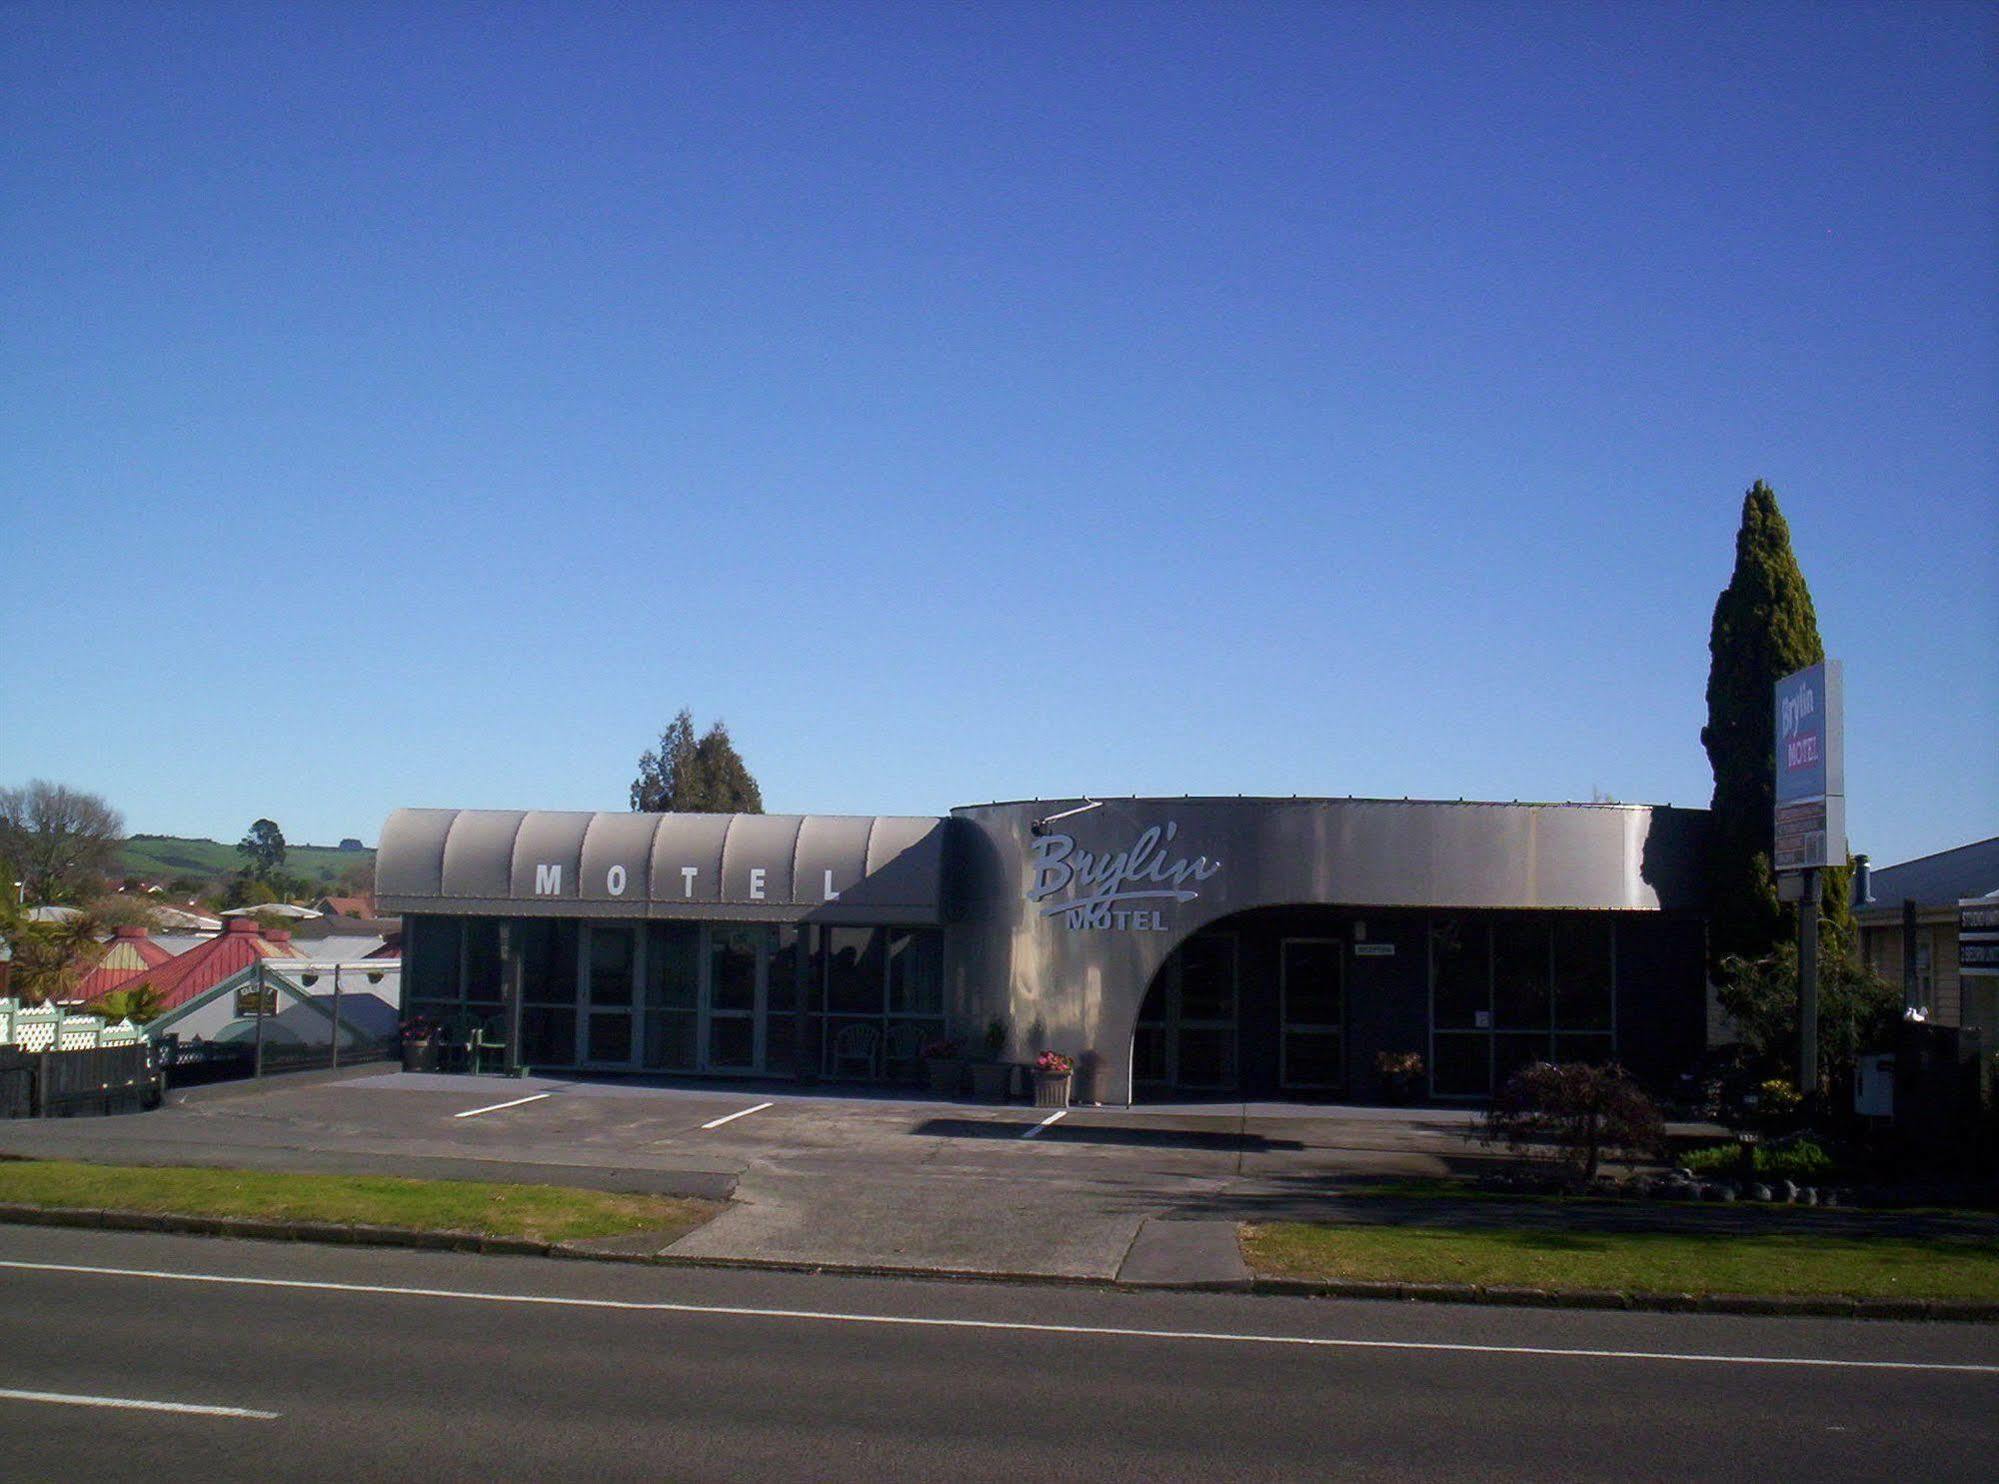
x=611 y=966
x=1459 y=968
x=915 y=971
x=787 y=969
x=1312 y=982
x=433 y=958
x=1582 y=974
x=1520 y=990
x=670 y=1039
x=548 y=1036
x=611 y=1036
x=673 y=965
x=1463 y=1066
x=482 y=961
x=1595 y=1050
x=732 y=967
x=548 y=963
x=1207 y=982
x=854 y=981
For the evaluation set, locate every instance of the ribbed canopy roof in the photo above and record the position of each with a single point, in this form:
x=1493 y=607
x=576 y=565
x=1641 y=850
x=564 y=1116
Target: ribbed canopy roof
x=754 y=867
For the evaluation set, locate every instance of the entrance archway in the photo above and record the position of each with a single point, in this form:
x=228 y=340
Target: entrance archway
x=1259 y=1005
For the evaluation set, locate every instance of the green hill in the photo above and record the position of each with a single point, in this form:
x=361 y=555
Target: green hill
x=162 y=857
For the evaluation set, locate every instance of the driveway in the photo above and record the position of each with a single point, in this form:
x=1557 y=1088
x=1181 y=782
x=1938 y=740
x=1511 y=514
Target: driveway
x=821 y=1179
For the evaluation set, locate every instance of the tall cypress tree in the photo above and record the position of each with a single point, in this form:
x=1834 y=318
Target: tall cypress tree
x=1764 y=629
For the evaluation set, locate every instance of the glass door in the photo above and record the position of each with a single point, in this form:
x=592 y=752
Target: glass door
x=733 y=1008
x=610 y=978
x=673 y=997
x=1313 y=1049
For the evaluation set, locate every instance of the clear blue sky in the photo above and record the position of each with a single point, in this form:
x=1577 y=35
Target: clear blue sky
x=411 y=404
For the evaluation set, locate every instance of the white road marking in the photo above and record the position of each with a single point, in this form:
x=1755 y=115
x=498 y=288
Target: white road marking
x=475 y=1112
x=1107 y=1331
x=740 y=1113
x=1057 y=1116
x=136 y=1404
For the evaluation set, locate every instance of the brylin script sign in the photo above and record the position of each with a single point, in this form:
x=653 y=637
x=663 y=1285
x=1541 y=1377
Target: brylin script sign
x=1103 y=888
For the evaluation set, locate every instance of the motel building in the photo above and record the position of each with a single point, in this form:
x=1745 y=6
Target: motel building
x=1177 y=948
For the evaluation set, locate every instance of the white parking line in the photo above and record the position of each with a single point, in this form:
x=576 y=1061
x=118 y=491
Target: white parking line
x=740 y=1113
x=136 y=1404
x=1013 y=1326
x=475 y=1112
x=1055 y=1117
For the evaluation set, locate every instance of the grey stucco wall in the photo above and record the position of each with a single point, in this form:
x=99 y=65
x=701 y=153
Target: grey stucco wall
x=1078 y=988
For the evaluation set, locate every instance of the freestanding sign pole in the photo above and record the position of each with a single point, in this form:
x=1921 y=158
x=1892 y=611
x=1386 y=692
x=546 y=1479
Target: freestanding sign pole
x=1809 y=825
x=1808 y=987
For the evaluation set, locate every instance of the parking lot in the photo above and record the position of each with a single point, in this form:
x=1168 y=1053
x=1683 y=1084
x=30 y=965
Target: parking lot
x=827 y=1178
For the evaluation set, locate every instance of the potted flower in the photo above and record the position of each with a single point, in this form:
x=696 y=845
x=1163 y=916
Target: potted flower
x=419 y=1044
x=992 y=1079
x=1052 y=1071
x=1401 y=1074
x=944 y=1066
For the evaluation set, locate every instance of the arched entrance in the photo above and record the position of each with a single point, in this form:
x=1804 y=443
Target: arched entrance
x=1260 y=1005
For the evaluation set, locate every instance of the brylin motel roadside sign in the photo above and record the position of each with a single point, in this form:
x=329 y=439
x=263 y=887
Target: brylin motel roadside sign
x=1811 y=769
x=1125 y=889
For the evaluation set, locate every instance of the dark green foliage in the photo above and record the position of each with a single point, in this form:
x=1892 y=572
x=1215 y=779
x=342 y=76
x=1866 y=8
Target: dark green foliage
x=1764 y=629
x=686 y=776
x=264 y=847
x=1802 y=1160
x=1858 y=1009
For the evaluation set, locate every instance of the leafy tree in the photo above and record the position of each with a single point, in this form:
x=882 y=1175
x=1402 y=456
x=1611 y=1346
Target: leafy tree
x=137 y=1003
x=50 y=957
x=1580 y=1115
x=1858 y=1009
x=59 y=842
x=246 y=889
x=264 y=847
x=1764 y=629
x=688 y=776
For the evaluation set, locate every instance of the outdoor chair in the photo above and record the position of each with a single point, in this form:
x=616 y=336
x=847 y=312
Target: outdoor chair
x=457 y=1044
x=489 y=1043
x=902 y=1051
x=856 y=1045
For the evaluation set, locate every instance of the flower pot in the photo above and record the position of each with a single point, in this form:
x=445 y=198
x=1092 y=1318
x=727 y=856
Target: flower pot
x=419 y=1056
x=1051 y=1089
x=945 y=1073
x=992 y=1081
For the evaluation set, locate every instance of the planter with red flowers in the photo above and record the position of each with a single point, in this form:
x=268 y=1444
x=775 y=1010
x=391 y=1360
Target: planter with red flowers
x=1052 y=1072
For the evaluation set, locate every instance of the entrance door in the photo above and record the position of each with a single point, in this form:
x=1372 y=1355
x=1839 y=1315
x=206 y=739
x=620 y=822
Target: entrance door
x=733 y=1007
x=1187 y=1029
x=610 y=980
x=673 y=1020
x=1312 y=1054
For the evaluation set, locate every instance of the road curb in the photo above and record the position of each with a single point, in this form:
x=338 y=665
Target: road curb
x=1764 y=1305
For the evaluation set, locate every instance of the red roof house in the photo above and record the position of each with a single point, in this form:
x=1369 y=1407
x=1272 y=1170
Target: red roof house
x=129 y=954
x=213 y=960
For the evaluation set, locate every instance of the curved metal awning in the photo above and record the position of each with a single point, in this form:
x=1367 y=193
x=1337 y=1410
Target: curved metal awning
x=747 y=867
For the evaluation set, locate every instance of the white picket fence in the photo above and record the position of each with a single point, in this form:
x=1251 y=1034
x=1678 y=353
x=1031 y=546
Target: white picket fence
x=51 y=1028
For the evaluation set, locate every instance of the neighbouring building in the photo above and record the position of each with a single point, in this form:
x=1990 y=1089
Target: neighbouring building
x=1935 y=888
x=1175 y=946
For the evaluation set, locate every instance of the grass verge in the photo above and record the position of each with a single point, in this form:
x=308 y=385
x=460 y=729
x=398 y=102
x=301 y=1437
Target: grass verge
x=547 y=1213
x=1653 y=1262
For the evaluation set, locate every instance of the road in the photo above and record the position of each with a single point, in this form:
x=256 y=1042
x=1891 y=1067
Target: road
x=383 y=1364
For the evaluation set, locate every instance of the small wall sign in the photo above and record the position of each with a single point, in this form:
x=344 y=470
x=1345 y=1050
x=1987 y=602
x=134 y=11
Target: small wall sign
x=1374 y=950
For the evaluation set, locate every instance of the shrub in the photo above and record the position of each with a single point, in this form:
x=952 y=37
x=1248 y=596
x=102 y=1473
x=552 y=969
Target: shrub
x=1799 y=1159
x=1576 y=1114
